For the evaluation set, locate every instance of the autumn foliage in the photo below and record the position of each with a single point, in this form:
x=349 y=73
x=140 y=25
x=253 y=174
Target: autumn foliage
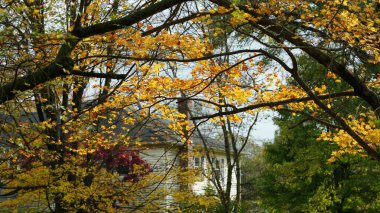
x=81 y=81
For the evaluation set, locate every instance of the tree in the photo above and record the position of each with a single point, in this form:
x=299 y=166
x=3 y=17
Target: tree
x=233 y=138
x=299 y=173
x=299 y=25
x=57 y=134
x=68 y=67
x=301 y=18
x=296 y=177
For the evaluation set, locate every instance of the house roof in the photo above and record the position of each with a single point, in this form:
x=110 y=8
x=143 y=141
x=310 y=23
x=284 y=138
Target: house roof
x=211 y=142
x=150 y=131
x=156 y=131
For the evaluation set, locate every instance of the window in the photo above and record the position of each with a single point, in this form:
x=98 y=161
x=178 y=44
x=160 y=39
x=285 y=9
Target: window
x=218 y=173
x=197 y=162
x=217 y=169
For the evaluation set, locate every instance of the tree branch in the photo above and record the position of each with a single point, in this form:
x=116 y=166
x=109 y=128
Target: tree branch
x=274 y=104
x=64 y=63
x=279 y=31
x=126 y=21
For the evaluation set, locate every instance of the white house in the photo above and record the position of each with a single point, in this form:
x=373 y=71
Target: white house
x=163 y=154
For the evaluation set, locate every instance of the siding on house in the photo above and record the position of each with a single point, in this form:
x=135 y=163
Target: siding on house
x=162 y=158
x=200 y=186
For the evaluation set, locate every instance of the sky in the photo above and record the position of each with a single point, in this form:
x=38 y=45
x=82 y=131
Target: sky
x=265 y=128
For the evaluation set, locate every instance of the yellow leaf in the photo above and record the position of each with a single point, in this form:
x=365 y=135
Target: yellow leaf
x=76 y=67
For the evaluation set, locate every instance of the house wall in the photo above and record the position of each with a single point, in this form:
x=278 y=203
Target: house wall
x=162 y=158
x=199 y=186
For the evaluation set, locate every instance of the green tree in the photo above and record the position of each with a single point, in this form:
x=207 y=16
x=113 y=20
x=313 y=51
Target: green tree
x=295 y=174
x=297 y=178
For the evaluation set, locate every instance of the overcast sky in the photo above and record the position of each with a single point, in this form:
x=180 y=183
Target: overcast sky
x=265 y=128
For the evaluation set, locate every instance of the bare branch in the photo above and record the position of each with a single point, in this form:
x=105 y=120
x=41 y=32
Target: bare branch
x=275 y=104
